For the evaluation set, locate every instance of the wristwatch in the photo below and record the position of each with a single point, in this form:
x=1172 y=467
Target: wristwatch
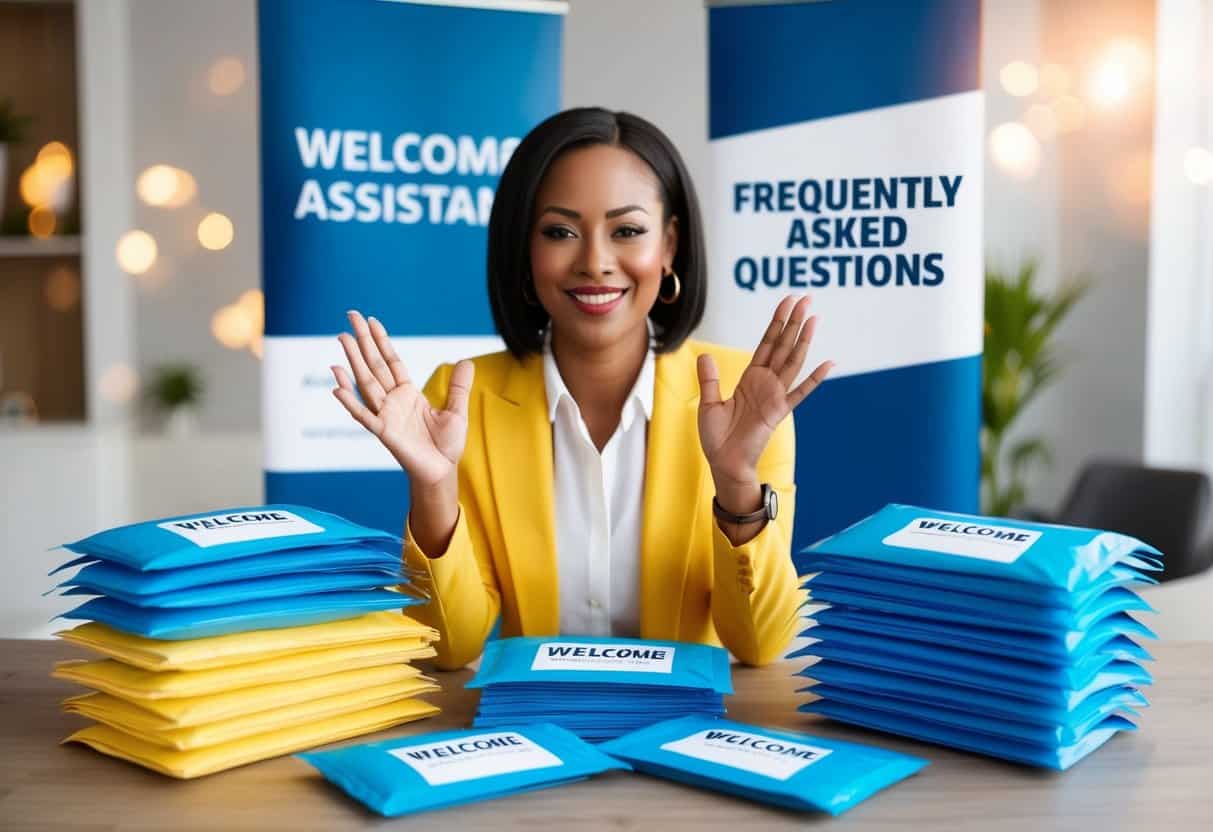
x=770 y=508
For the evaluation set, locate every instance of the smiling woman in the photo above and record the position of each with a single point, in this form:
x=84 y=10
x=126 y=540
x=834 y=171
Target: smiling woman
x=567 y=491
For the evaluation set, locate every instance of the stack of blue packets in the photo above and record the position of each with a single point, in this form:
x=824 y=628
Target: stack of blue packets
x=1003 y=637
x=598 y=688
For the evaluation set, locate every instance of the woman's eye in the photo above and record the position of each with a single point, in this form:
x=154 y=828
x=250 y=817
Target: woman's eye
x=557 y=232
x=629 y=231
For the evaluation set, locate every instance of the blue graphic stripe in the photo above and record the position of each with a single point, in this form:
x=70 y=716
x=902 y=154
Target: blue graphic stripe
x=908 y=435
x=770 y=66
x=392 y=69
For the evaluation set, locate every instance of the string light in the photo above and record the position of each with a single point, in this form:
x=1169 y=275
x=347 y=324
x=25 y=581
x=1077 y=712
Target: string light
x=215 y=232
x=136 y=251
x=165 y=186
x=1019 y=78
x=1014 y=149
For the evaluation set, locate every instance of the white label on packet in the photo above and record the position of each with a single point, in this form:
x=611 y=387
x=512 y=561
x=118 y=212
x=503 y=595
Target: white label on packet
x=771 y=757
x=475 y=756
x=971 y=540
x=240 y=526
x=559 y=655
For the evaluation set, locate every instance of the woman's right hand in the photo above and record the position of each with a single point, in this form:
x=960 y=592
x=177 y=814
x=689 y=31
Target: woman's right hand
x=426 y=442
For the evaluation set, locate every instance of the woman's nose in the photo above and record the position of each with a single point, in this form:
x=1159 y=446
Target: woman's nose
x=595 y=260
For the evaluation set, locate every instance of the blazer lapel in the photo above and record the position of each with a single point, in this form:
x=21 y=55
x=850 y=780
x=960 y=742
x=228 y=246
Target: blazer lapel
x=521 y=470
x=673 y=488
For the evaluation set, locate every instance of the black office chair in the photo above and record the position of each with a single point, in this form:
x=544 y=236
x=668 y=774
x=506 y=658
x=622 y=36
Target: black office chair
x=1167 y=509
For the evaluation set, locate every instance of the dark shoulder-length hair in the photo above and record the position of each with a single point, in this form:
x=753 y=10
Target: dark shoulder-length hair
x=509 y=260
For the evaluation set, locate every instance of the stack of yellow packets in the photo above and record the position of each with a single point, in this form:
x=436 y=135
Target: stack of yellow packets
x=239 y=635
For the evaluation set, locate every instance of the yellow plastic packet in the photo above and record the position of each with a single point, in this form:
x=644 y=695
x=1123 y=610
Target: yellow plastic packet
x=112 y=676
x=239 y=648
x=200 y=761
x=166 y=714
x=140 y=724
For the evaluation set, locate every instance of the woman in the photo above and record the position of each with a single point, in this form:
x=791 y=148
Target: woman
x=585 y=484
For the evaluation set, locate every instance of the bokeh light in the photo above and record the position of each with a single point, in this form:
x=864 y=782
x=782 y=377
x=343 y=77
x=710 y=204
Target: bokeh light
x=215 y=232
x=119 y=383
x=1014 y=149
x=136 y=251
x=1120 y=70
x=1019 y=78
x=234 y=327
x=165 y=186
x=47 y=182
x=226 y=76
x=41 y=222
x=61 y=288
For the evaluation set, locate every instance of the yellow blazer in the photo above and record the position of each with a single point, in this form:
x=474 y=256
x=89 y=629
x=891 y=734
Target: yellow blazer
x=694 y=584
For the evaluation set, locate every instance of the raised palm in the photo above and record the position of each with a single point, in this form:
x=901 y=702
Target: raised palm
x=426 y=441
x=733 y=432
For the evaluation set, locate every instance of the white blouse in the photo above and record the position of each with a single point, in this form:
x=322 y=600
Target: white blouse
x=598 y=504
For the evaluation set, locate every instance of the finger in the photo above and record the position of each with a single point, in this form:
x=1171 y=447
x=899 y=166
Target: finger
x=343 y=378
x=787 y=338
x=810 y=384
x=400 y=373
x=370 y=351
x=762 y=355
x=709 y=380
x=358 y=410
x=372 y=391
x=461 y=387
x=791 y=367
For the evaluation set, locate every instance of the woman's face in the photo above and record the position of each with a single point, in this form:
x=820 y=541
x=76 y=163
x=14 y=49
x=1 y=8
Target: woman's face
x=599 y=246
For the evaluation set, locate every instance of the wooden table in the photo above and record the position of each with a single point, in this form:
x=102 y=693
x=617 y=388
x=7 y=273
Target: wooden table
x=1158 y=779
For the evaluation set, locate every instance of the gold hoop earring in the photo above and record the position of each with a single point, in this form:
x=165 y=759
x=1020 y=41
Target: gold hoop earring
x=661 y=295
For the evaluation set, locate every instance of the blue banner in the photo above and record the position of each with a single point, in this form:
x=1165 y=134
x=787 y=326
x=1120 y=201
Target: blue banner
x=847 y=146
x=384 y=128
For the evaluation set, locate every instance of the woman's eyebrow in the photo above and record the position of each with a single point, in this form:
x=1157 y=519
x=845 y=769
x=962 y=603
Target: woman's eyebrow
x=571 y=214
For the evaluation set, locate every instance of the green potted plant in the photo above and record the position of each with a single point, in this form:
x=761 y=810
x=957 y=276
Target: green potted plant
x=1019 y=360
x=176 y=390
x=12 y=131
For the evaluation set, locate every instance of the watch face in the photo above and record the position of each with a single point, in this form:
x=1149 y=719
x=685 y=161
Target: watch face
x=772 y=503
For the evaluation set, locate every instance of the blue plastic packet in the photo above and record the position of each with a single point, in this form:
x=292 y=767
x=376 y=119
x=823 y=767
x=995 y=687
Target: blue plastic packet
x=1124 y=574
x=613 y=661
x=792 y=770
x=1060 y=557
x=1018 y=614
x=233 y=592
x=270 y=613
x=1114 y=634
x=1050 y=735
x=1000 y=613
x=942 y=656
x=211 y=537
x=598 y=688
x=117 y=580
x=431 y=771
x=913 y=690
x=1108 y=675
x=904 y=725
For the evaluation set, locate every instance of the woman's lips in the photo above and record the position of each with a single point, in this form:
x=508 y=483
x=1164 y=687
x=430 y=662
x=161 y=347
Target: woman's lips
x=597 y=300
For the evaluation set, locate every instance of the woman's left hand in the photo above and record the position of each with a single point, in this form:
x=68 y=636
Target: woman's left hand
x=734 y=432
